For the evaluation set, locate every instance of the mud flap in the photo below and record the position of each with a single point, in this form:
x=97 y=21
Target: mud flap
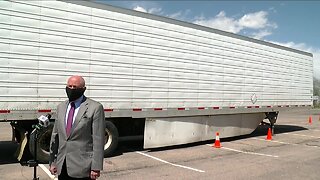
x=23 y=143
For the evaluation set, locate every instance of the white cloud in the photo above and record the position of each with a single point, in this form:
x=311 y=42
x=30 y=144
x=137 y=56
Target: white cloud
x=255 y=24
x=261 y=34
x=220 y=21
x=139 y=8
x=175 y=15
x=255 y=20
x=151 y=10
x=181 y=15
x=155 y=11
x=251 y=21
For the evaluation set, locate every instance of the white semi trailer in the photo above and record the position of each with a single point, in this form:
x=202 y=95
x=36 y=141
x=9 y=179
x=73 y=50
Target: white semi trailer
x=168 y=81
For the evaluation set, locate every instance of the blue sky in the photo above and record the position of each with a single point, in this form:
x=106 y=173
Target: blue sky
x=290 y=23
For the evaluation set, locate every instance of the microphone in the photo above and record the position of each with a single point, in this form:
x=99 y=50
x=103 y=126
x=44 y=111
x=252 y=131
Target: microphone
x=44 y=120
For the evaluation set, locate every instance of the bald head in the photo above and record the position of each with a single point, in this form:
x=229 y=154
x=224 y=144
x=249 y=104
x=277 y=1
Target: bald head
x=76 y=82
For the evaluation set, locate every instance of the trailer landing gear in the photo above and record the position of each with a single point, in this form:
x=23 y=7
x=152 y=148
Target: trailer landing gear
x=272 y=117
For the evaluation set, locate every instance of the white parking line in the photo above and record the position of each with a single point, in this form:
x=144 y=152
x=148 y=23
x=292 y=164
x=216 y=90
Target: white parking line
x=246 y=152
x=43 y=167
x=301 y=124
x=295 y=144
x=302 y=135
x=314 y=129
x=275 y=141
x=177 y=165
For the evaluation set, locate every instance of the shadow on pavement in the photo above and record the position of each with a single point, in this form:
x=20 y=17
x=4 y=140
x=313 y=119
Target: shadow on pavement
x=8 y=149
x=278 y=129
x=128 y=146
x=261 y=130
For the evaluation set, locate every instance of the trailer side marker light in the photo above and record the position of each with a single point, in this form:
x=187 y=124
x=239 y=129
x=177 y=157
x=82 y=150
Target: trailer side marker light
x=44 y=110
x=4 y=111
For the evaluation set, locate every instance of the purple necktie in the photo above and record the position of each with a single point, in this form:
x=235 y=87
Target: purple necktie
x=70 y=118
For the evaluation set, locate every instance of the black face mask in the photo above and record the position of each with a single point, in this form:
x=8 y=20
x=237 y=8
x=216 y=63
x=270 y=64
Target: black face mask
x=74 y=94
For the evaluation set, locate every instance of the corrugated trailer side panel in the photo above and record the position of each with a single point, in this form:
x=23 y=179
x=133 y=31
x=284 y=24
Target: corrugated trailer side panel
x=134 y=61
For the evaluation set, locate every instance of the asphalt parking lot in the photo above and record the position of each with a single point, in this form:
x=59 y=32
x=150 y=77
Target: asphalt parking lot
x=293 y=153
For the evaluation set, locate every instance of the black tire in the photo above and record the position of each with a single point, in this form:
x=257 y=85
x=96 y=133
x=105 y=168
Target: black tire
x=43 y=144
x=111 y=139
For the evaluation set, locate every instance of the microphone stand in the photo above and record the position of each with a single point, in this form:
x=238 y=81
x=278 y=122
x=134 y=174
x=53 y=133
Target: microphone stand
x=34 y=163
x=43 y=123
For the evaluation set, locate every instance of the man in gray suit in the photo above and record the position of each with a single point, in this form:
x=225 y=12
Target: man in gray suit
x=77 y=141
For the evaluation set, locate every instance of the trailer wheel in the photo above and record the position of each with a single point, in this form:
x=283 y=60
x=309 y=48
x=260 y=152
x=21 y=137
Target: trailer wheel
x=111 y=139
x=43 y=144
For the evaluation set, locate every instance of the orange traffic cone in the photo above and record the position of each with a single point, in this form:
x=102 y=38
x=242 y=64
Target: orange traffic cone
x=269 y=136
x=310 y=119
x=217 y=141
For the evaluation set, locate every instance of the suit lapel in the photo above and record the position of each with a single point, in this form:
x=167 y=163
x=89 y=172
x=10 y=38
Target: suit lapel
x=82 y=110
x=62 y=116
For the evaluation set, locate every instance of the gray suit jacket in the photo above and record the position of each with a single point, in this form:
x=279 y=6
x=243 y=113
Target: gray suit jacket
x=83 y=150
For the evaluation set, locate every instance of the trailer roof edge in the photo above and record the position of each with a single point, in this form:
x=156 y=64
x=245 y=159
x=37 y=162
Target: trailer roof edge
x=100 y=5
